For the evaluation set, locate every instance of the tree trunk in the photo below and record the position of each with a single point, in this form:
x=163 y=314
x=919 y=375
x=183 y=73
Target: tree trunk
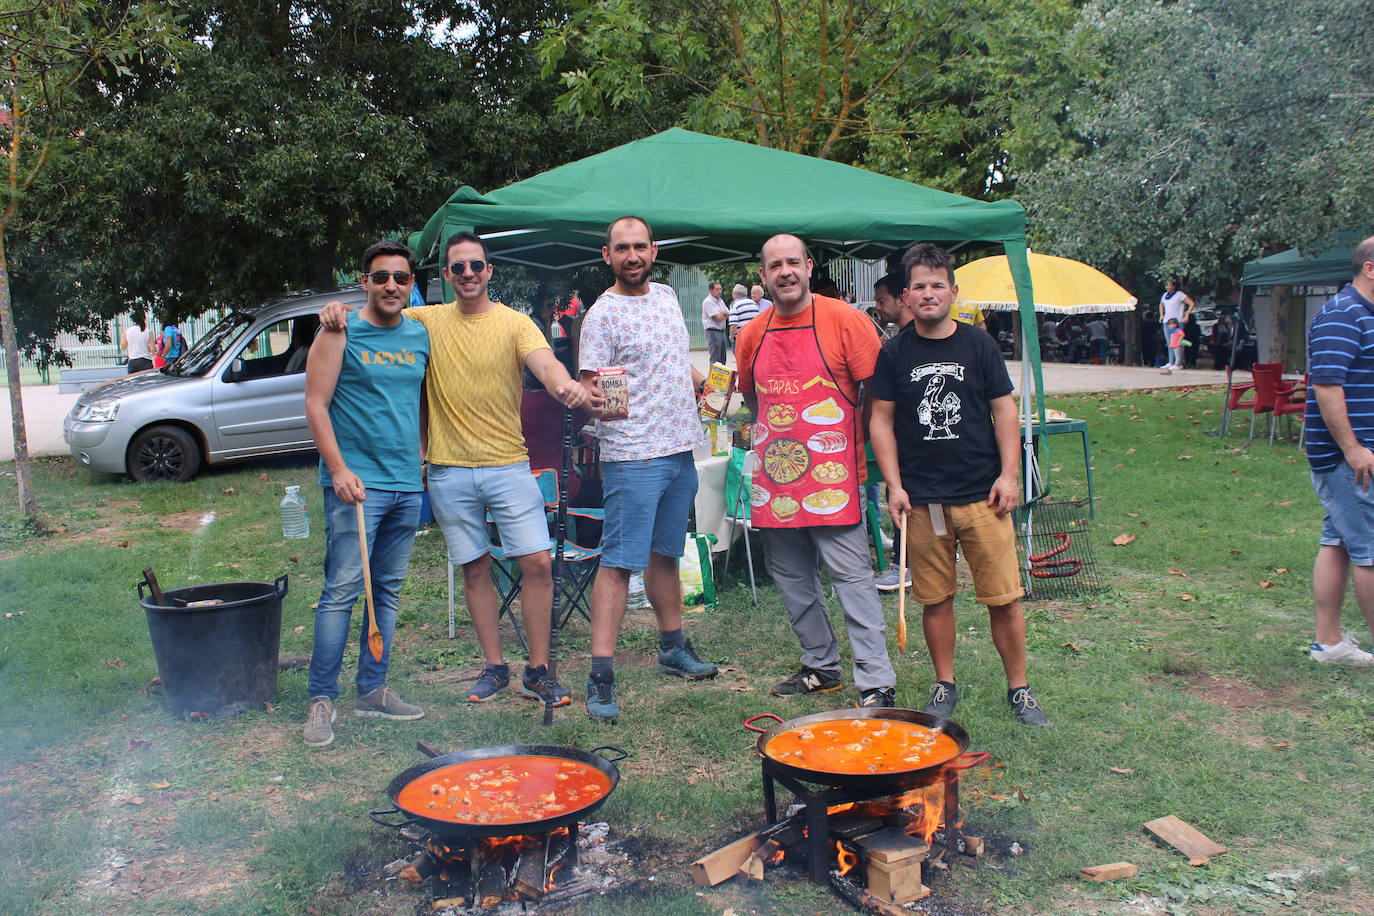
x=28 y=503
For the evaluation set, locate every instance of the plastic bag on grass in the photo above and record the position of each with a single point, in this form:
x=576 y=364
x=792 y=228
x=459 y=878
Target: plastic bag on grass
x=698 y=582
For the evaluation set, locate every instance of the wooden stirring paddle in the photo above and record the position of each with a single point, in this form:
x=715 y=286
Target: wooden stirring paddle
x=374 y=635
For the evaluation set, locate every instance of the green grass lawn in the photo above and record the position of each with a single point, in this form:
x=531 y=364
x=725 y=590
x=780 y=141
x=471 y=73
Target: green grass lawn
x=1182 y=689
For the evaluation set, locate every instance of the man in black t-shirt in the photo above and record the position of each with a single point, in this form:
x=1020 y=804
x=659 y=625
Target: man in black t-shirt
x=944 y=432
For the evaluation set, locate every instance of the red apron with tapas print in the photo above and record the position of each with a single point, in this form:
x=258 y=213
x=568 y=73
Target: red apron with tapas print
x=804 y=435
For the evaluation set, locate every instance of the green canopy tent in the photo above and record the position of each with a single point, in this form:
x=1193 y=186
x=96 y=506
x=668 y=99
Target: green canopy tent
x=1290 y=268
x=711 y=200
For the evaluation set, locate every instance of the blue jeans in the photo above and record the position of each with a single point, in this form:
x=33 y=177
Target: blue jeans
x=391 y=519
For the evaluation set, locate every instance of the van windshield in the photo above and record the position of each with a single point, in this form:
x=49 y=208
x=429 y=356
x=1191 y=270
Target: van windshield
x=207 y=350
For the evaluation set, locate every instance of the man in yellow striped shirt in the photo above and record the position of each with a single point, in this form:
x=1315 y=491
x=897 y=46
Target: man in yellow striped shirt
x=477 y=458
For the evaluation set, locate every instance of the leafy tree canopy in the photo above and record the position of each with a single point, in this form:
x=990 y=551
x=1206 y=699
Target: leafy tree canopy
x=956 y=94
x=1219 y=131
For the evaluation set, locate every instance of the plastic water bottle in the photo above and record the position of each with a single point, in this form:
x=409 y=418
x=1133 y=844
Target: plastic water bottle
x=295 y=517
x=637 y=597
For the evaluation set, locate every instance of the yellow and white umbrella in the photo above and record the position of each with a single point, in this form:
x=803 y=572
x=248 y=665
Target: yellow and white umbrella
x=1060 y=285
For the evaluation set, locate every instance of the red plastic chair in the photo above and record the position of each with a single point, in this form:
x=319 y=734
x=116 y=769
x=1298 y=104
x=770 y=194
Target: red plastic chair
x=1236 y=399
x=1274 y=397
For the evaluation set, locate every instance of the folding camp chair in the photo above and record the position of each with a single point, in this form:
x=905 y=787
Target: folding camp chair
x=580 y=564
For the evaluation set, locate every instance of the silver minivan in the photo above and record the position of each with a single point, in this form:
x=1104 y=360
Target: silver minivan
x=238 y=392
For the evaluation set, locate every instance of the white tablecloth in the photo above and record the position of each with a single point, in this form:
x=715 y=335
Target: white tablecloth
x=710 y=501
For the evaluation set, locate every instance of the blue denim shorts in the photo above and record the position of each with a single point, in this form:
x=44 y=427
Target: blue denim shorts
x=1349 y=521
x=462 y=497
x=647 y=504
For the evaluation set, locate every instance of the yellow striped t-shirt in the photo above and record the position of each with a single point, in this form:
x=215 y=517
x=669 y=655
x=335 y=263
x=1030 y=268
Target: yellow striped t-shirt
x=474 y=382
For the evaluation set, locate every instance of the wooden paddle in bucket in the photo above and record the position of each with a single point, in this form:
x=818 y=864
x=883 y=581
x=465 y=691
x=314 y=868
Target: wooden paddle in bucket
x=374 y=635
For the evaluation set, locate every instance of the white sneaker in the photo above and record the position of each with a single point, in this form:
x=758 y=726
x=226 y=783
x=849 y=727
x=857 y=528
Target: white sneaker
x=1345 y=652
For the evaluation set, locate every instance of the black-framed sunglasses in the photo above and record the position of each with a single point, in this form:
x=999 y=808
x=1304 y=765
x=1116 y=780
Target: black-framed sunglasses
x=401 y=277
x=458 y=267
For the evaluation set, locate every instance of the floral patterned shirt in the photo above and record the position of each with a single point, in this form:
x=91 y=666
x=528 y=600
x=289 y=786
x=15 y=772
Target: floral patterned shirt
x=646 y=335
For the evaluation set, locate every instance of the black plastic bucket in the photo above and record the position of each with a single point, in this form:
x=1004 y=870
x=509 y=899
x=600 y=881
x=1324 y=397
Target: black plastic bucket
x=218 y=659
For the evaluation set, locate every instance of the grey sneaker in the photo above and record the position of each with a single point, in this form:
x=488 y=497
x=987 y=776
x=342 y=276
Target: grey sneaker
x=878 y=698
x=532 y=685
x=383 y=703
x=319 y=725
x=1345 y=652
x=683 y=662
x=888 y=581
x=1025 y=707
x=943 y=698
x=808 y=680
x=601 y=702
x=492 y=680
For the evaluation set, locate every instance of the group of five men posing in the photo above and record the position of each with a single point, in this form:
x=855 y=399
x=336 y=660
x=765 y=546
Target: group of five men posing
x=446 y=405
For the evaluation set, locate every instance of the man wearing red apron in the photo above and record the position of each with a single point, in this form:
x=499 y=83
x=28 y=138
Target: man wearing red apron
x=801 y=365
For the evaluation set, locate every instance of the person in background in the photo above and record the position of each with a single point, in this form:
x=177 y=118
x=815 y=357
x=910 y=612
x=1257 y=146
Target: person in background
x=756 y=293
x=1192 y=332
x=136 y=345
x=1098 y=337
x=173 y=344
x=969 y=313
x=715 y=315
x=1175 y=340
x=648 y=475
x=365 y=416
x=743 y=310
x=1339 y=425
x=945 y=436
x=889 y=297
x=1176 y=304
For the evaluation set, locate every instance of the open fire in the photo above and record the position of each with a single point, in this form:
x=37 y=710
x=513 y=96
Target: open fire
x=488 y=873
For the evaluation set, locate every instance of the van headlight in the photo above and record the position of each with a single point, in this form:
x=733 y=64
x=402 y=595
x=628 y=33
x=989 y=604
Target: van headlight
x=98 y=412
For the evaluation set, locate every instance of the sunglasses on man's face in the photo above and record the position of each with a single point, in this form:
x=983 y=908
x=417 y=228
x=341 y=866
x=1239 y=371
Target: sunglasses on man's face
x=457 y=268
x=379 y=277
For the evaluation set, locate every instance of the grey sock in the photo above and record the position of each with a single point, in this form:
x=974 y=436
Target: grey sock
x=603 y=668
x=671 y=639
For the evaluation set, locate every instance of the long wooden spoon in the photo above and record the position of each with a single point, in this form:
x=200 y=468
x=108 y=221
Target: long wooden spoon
x=374 y=635
x=901 y=588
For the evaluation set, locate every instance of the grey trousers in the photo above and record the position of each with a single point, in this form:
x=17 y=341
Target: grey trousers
x=715 y=344
x=793 y=556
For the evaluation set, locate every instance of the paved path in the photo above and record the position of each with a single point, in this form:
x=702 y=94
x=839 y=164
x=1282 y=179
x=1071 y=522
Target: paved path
x=45 y=408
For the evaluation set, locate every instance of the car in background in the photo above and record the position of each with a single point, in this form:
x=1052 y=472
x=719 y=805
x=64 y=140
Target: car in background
x=238 y=392
x=1206 y=316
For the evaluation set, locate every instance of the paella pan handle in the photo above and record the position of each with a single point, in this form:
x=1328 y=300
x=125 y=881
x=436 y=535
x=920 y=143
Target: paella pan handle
x=748 y=723
x=377 y=816
x=969 y=759
x=429 y=750
x=620 y=754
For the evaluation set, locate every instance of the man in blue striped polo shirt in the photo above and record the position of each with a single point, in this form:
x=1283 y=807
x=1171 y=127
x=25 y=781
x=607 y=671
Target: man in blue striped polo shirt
x=1339 y=423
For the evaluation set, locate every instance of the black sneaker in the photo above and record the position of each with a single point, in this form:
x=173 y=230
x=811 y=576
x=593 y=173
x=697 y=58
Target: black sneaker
x=943 y=697
x=878 y=698
x=532 y=686
x=1026 y=709
x=808 y=680
x=493 y=680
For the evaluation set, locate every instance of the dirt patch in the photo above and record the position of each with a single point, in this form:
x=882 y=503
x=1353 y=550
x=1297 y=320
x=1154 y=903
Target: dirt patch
x=183 y=521
x=1234 y=695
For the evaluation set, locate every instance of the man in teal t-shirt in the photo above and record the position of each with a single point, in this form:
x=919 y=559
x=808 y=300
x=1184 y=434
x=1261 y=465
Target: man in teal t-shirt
x=362 y=400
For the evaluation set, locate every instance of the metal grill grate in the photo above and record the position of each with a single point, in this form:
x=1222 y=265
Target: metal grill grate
x=1056 y=536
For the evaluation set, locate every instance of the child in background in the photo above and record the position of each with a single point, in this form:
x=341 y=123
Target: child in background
x=1175 y=342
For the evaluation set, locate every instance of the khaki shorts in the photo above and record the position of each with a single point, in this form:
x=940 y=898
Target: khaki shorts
x=989 y=545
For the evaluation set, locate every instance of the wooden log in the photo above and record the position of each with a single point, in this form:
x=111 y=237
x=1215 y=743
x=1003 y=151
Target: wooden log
x=1110 y=872
x=1184 y=837
x=715 y=867
x=899 y=883
x=891 y=845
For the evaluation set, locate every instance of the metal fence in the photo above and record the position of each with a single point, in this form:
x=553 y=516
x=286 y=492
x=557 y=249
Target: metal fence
x=104 y=350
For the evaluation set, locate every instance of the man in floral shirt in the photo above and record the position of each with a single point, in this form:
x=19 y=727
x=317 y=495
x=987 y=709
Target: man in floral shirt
x=647 y=471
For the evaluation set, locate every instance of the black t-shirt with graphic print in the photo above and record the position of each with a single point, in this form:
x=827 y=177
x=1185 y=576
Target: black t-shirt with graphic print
x=946 y=449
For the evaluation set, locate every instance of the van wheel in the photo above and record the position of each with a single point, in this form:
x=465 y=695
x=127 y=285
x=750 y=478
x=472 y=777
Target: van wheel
x=163 y=453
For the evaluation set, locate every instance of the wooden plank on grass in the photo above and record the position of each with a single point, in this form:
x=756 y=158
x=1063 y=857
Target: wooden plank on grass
x=1110 y=872
x=1184 y=837
x=715 y=867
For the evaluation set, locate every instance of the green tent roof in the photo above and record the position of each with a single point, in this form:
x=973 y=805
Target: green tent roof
x=711 y=200
x=1289 y=268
